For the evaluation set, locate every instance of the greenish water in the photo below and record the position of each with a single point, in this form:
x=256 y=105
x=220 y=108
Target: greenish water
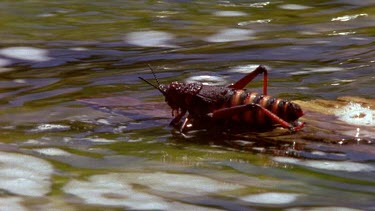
x=79 y=130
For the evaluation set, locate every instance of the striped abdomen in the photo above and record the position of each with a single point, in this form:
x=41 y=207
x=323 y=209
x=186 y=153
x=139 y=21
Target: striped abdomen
x=286 y=110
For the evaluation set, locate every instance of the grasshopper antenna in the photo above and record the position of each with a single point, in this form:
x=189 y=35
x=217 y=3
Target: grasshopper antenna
x=158 y=87
x=153 y=73
x=149 y=83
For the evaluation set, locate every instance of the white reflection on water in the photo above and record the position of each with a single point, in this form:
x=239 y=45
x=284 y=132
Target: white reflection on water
x=151 y=39
x=52 y=152
x=229 y=13
x=328 y=165
x=100 y=140
x=117 y=189
x=26 y=53
x=245 y=23
x=311 y=70
x=322 y=209
x=50 y=127
x=24 y=174
x=4 y=62
x=356 y=114
x=335 y=33
x=207 y=80
x=259 y=4
x=231 y=35
x=271 y=198
x=294 y=7
x=349 y=17
x=245 y=68
x=12 y=203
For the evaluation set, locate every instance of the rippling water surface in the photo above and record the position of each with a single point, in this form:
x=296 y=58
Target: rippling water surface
x=79 y=130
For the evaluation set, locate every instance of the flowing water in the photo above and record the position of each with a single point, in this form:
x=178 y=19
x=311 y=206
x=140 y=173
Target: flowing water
x=79 y=130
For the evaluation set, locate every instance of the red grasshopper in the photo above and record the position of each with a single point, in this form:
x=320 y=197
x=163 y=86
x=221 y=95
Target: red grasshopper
x=232 y=104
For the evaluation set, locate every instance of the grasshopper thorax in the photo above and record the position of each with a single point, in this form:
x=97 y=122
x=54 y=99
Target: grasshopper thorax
x=179 y=95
